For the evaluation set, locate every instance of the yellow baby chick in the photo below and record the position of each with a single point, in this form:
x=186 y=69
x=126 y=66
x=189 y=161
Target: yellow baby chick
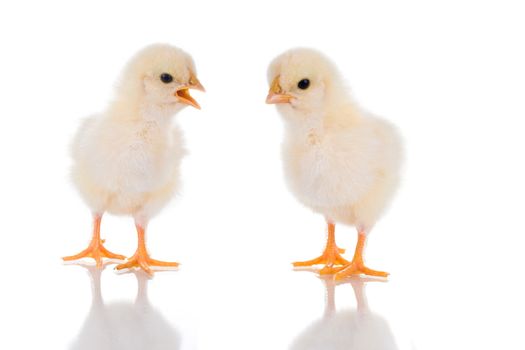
x=126 y=160
x=338 y=160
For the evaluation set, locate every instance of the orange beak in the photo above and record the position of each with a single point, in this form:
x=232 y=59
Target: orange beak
x=276 y=95
x=184 y=95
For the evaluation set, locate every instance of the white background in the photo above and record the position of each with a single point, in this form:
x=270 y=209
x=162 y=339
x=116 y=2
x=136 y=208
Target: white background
x=450 y=74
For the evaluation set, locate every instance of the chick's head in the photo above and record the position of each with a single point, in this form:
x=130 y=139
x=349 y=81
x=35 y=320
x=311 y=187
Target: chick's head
x=303 y=80
x=161 y=74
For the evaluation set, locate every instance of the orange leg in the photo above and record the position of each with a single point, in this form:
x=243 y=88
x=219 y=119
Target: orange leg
x=141 y=258
x=95 y=249
x=357 y=265
x=330 y=257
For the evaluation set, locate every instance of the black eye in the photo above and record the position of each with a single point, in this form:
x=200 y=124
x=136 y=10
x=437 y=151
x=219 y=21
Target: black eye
x=166 y=78
x=303 y=84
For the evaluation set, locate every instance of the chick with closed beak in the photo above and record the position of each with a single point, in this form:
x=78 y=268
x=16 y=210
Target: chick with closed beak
x=339 y=160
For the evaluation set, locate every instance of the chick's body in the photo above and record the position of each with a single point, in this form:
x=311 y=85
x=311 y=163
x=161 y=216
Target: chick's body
x=338 y=160
x=345 y=171
x=126 y=160
x=127 y=167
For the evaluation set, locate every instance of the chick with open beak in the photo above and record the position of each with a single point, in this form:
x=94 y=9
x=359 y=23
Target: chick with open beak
x=127 y=159
x=183 y=93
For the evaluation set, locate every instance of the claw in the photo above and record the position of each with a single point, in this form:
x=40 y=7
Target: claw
x=96 y=249
x=330 y=257
x=335 y=264
x=141 y=257
x=144 y=262
x=356 y=268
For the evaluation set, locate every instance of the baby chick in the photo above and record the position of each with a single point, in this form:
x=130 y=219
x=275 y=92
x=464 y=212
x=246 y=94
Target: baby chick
x=338 y=160
x=126 y=160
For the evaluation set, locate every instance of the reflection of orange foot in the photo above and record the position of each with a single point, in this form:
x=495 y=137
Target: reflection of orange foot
x=331 y=256
x=95 y=250
x=141 y=258
x=357 y=268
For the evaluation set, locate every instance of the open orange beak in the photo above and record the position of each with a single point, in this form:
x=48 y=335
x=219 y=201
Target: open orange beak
x=183 y=92
x=276 y=95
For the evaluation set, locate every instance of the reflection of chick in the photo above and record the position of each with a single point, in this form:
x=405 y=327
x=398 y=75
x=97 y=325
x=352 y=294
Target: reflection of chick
x=338 y=160
x=125 y=326
x=358 y=329
x=127 y=159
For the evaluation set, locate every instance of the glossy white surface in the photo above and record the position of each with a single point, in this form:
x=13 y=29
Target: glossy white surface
x=449 y=74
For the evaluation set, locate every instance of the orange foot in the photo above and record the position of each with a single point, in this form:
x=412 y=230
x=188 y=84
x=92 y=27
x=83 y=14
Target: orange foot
x=141 y=257
x=96 y=251
x=357 y=267
x=331 y=256
x=143 y=261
